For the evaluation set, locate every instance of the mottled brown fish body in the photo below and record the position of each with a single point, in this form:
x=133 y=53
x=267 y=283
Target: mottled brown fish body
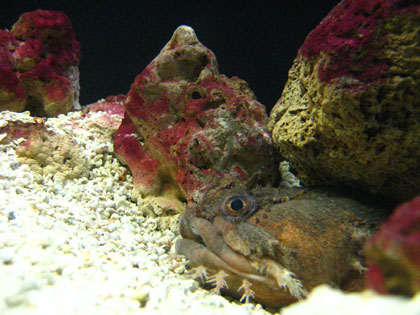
x=274 y=246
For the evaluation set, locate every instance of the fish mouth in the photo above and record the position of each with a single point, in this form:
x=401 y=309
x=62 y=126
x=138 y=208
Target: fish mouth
x=202 y=245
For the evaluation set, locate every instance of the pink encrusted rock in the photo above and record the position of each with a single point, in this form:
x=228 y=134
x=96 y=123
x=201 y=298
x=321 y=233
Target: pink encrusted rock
x=112 y=105
x=350 y=112
x=39 y=61
x=113 y=109
x=393 y=252
x=12 y=94
x=186 y=126
x=45 y=151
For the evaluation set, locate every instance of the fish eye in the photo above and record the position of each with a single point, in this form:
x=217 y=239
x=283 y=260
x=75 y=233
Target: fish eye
x=239 y=205
x=236 y=204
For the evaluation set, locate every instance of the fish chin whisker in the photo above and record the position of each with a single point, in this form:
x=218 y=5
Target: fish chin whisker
x=199 y=273
x=248 y=293
x=285 y=279
x=218 y=280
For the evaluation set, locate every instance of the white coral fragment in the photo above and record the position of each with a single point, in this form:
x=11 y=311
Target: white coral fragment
x=288 y=179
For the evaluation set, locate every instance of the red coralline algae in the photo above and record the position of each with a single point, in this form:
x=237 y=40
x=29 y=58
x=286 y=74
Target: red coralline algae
x=349 y=38
x=113 y=111
x=49 y=33
x=186 y=126
x=394 y=252
x=112 y=105
x=39 y=60
x=12 y=94
x=31 y=132
x=131 y=152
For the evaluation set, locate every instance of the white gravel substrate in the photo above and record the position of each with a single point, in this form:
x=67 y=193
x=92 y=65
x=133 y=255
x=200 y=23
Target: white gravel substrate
x=81 y=246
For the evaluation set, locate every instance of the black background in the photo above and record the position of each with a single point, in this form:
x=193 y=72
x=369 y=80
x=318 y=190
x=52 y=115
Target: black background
x=254 y=40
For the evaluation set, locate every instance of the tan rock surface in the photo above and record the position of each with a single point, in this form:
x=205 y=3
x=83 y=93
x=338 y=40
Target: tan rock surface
x=350 y=112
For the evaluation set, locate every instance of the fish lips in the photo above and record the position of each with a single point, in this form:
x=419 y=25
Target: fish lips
x=211 y=243
x=202 y=245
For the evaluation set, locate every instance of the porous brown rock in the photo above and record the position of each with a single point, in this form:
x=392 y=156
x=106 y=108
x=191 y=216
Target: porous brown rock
x=39 y=59
x=186 y=127
x=350 y=112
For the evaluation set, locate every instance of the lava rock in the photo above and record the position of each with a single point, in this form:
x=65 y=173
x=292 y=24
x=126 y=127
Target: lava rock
x=39 y=60
x=350 y=112
x=393 y=252
x=186 y=126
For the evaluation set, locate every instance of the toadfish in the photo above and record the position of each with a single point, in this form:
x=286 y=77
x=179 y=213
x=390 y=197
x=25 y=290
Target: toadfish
x=272 y=245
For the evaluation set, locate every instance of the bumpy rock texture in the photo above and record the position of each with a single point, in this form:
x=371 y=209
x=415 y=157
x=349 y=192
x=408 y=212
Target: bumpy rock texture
x=39 y=61
x=394 y=252
x=350 y=111
x=47 y=152
x=186 y=126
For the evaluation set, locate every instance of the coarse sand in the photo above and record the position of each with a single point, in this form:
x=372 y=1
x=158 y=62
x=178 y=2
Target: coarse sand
x=79 y=244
